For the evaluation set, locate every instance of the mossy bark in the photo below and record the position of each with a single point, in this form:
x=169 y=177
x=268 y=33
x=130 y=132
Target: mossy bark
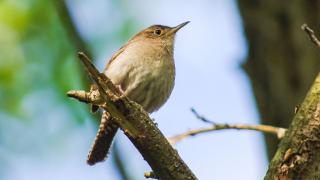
x=298 y=155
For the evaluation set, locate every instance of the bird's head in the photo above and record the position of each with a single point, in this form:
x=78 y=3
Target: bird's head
x=160 y=33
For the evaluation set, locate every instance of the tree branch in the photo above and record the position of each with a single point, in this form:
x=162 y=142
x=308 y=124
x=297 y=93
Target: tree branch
x=311 y=35
x=298 y=155
x=72 y=31
x=137 y=125
x=150 y=175
x=279 y=132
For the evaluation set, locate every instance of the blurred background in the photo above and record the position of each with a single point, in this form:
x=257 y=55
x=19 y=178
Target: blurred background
x=237 y=62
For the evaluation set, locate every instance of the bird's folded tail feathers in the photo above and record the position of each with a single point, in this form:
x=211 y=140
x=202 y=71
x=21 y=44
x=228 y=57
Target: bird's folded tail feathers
x=103 y=140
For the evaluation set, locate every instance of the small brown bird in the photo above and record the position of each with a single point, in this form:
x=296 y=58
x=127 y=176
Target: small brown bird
x=144 y=71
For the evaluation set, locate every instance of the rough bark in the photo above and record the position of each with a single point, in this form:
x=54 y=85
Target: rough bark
x=298 y=155
x=138 y=127
x=280 y=64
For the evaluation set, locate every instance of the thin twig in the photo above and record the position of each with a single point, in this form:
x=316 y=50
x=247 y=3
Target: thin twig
x=202 y=118
x=279 y=132
x=150 y=175
x=311 y=34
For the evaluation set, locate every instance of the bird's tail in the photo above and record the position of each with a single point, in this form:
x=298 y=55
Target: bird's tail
x=103 y=140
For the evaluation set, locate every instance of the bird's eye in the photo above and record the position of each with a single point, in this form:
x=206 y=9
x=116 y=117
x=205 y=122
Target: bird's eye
x=157 y=32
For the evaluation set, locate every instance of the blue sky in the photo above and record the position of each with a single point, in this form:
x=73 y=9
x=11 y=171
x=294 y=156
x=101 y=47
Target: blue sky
x=208 y=55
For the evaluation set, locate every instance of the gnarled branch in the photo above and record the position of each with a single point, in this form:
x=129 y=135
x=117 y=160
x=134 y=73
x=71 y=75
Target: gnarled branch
x=137 y=125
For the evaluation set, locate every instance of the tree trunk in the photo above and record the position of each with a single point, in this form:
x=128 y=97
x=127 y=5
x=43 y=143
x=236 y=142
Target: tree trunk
x=298 y=155
x=281 y=63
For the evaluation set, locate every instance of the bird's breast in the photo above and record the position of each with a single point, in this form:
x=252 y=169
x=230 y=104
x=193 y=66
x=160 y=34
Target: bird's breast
x=146 y=74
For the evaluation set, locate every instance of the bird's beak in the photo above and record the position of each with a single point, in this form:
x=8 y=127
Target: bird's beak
x=175 y=29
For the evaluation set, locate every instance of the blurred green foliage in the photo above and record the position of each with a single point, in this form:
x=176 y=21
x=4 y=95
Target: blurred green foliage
x=38 y=65
x=35 y=55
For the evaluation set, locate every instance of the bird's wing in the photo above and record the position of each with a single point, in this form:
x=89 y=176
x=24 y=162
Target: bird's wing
x=114 y=56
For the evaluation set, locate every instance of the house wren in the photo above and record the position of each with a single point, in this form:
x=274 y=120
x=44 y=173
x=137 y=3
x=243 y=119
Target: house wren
x=144 y=71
